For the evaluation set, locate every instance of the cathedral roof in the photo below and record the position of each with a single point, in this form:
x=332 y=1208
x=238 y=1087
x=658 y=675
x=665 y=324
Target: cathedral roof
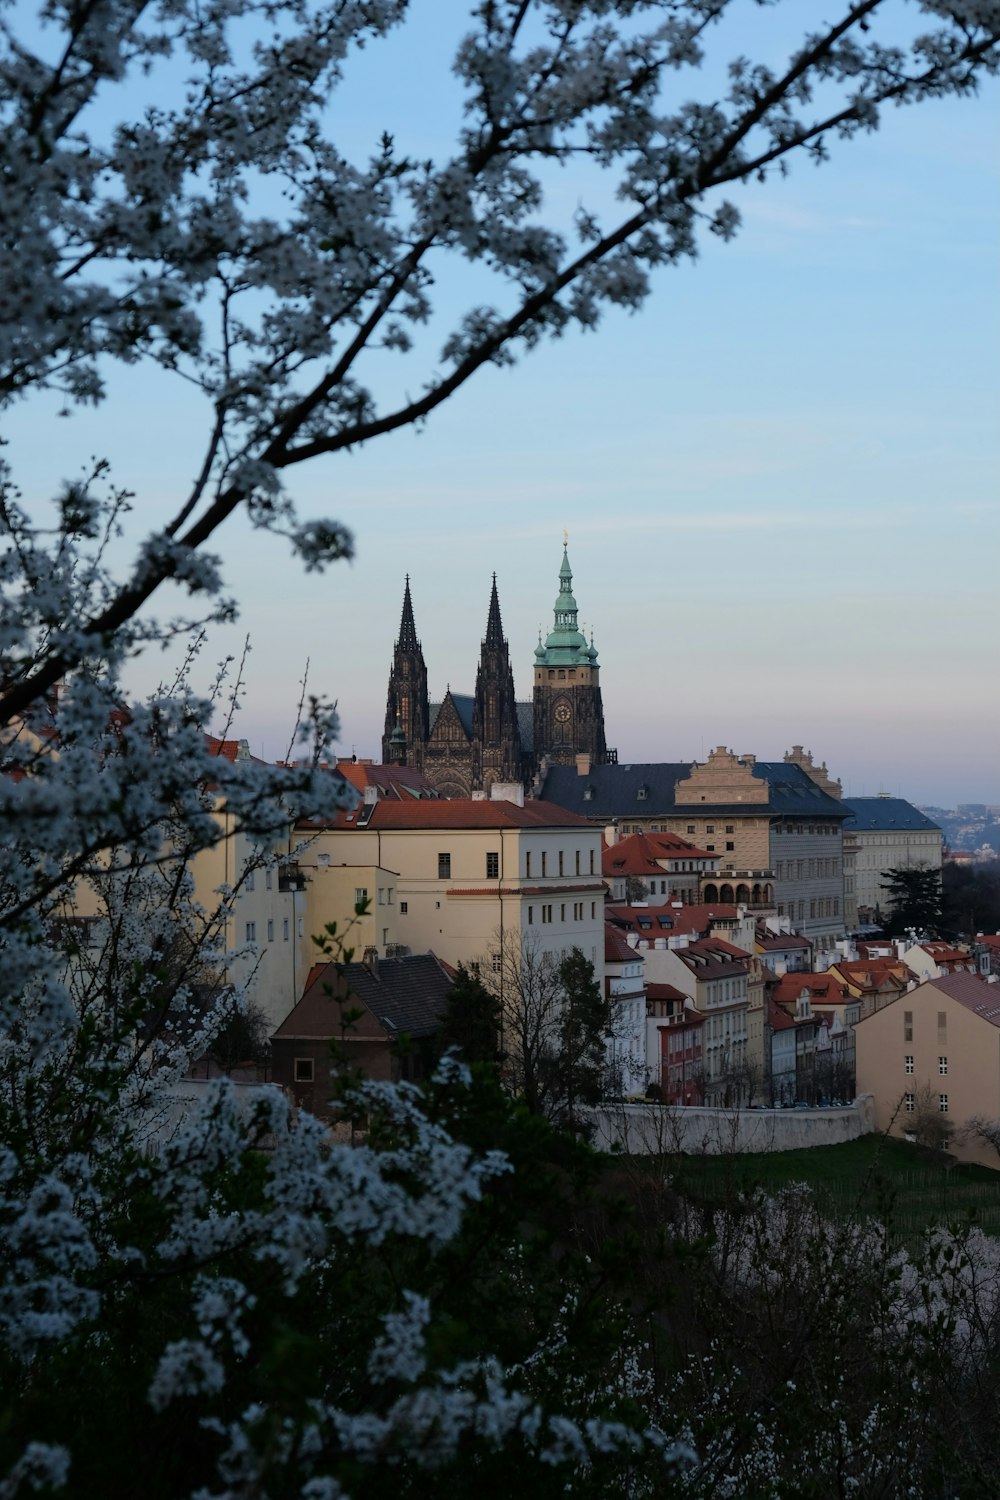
x=465 y=704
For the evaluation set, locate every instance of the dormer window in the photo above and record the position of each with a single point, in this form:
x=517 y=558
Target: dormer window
x=642 y=793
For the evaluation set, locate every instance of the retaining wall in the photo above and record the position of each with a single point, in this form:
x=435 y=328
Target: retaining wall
x=649 y=1129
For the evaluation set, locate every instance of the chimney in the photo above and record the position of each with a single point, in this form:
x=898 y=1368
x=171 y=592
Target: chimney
x=370 y=794
x=583 y=765
x=370 y=960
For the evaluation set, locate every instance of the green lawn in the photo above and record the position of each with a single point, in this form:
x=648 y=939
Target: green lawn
x=874 y=1176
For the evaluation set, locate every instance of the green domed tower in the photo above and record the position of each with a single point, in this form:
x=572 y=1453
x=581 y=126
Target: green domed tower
x=568 y=712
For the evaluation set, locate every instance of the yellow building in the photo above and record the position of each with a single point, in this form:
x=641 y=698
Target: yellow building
x=933 y=1055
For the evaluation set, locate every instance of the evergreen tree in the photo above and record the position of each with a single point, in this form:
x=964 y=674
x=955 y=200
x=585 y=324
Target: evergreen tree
x=583 y=1029
x=914 y=897
x=471 y=1022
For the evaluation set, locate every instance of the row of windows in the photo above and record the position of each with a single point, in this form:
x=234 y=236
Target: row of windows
x=823 y=906
x=548 y=908
x=807 y=869
x=821 y=828
x=251 y=930
x=910 y=1103
x=908 y=1064
x=493 y=864
x=710 y=828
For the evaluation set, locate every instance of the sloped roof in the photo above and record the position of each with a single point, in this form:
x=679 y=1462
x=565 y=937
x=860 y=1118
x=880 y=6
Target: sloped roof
x=670 y=920
x=465 y=705
x=398 y=782
x=640 y=853
x=407 y=995
x=779 y=942
x=462 y=812
x=885 y=814
x=974 y=993
x=822 y=989
x=526 y=724
x=648 y=790
x=617 y=950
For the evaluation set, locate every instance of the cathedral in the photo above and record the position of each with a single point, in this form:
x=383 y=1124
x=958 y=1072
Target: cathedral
x=468 y=741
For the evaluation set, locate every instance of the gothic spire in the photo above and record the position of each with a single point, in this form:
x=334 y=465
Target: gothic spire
x=494 y=629
x=407 y=629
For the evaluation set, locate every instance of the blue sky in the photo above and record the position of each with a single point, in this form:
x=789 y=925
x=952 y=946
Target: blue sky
x=780 y=478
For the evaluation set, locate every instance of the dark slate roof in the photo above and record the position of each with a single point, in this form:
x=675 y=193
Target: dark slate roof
x=465 y=704
x=526 y=724
x=647 y=791
x=885 y=814
x=408 y=994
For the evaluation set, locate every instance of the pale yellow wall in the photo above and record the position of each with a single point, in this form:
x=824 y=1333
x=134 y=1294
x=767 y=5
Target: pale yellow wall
x=457 y=918
x=970 y=1044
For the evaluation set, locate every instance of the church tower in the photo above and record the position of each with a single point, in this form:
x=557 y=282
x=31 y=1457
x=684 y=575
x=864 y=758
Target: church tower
x=496 y=737
x=568 y=712
x=406 y=710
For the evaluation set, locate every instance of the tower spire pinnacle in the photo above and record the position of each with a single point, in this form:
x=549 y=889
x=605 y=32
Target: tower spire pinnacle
x=407 y=629
x=494 y=625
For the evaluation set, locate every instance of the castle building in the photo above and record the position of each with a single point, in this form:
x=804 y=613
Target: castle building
x=467 y=743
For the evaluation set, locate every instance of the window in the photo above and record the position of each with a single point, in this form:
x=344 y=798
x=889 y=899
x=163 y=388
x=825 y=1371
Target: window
x=251 y=932
x=531 y=916
x=730 y=828
x=322 y=859
x=492 y=866
x=908 y=1103
x=495 y=962
x=545 y=862
x=270 y=930
x=269 y=877
x=360 y=895
x=381 y=895
x=546 y=913
x=942 y=1065
x=577 y=861
x=908 y=1063
x=593 y=910
x=578 y=911
x=690 y=828
x=404 y=907
x=250 y=881
x=284 y=929
x=303 y=1070
x=710 y=848
x=943 y=1103
x=709 y=827
x=560 y=862
x=591 y=861
x=444 y=867
x=730 y=846
x=562 y=911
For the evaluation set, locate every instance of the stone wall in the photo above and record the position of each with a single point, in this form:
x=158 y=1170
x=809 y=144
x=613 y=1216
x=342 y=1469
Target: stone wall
x=649 y=1129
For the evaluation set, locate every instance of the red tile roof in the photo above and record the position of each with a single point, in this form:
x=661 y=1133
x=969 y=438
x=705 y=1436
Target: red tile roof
x=398 y=782
x=667 y=992
x=976 y=994
x=616 y=949
x=822 y=989
x=640 y=854
x=669 y=919
x=465 y=813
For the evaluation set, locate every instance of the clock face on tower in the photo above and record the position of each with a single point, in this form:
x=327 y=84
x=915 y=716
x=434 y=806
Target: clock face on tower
x=562 y=713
